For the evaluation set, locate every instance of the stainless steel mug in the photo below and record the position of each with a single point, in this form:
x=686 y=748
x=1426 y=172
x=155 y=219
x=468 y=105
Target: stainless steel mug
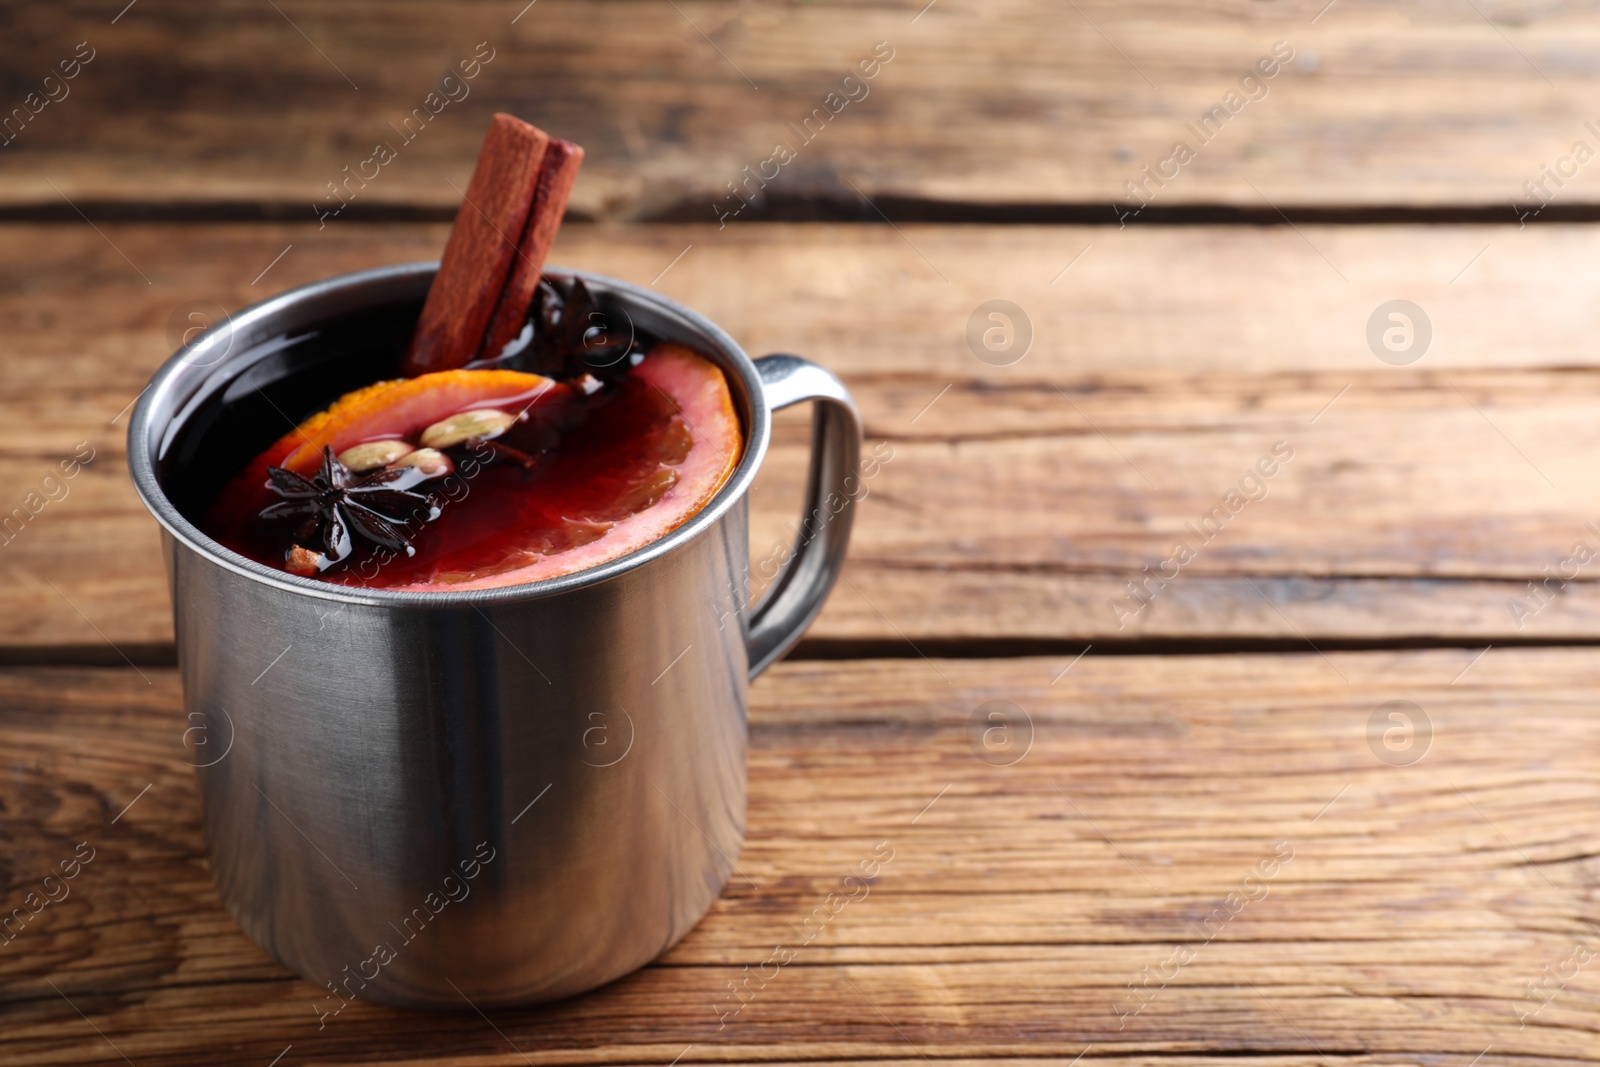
x=486 y=797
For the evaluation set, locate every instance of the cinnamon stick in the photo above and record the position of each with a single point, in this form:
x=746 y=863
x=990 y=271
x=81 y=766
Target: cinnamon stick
x=482 y=247
x=556 y=173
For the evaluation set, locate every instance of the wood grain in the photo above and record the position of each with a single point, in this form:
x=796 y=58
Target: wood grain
x=1049 y=865
x=1419 y=503
x=253 y=107
x=1020 y=902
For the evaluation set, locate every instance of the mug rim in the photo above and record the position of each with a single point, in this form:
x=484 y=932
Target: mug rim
x=713 y=341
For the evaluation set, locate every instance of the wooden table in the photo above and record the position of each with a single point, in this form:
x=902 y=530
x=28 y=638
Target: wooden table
x=1202 y=829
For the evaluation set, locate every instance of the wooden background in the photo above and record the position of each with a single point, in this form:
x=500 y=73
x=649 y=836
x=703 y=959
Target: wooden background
x=1440 y=904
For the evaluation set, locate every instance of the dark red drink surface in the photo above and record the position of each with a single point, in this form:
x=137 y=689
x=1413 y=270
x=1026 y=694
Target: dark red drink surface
x=595 y=460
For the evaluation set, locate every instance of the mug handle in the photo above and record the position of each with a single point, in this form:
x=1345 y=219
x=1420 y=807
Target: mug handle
x=813 y=565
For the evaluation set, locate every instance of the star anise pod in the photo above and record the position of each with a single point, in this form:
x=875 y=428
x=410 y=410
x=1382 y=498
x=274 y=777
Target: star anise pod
x=335 y=503
x=574 y=335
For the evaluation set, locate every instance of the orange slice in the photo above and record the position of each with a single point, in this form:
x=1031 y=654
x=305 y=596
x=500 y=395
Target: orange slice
x=612 y=472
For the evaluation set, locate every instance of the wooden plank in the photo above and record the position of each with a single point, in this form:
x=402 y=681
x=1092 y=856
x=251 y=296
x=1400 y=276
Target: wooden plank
x=1020 y=102
x=1171 y=301
x=1418 y=899
x=1164 y=366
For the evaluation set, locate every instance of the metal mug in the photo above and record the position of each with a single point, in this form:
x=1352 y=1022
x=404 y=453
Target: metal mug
x=496 y=796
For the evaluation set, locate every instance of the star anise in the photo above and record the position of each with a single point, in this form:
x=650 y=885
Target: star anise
x=335 y=503
x=574 y=335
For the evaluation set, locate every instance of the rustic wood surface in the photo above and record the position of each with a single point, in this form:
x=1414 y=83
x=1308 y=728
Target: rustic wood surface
x=1423 y=891
x=1419 y=503
x=1439 y=905
x=248 y=107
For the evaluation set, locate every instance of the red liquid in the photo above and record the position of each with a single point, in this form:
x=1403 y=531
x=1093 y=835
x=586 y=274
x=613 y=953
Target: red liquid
x=597 y=460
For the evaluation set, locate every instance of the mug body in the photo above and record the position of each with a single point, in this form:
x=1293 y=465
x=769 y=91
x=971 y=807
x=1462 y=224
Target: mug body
x=444 y=799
